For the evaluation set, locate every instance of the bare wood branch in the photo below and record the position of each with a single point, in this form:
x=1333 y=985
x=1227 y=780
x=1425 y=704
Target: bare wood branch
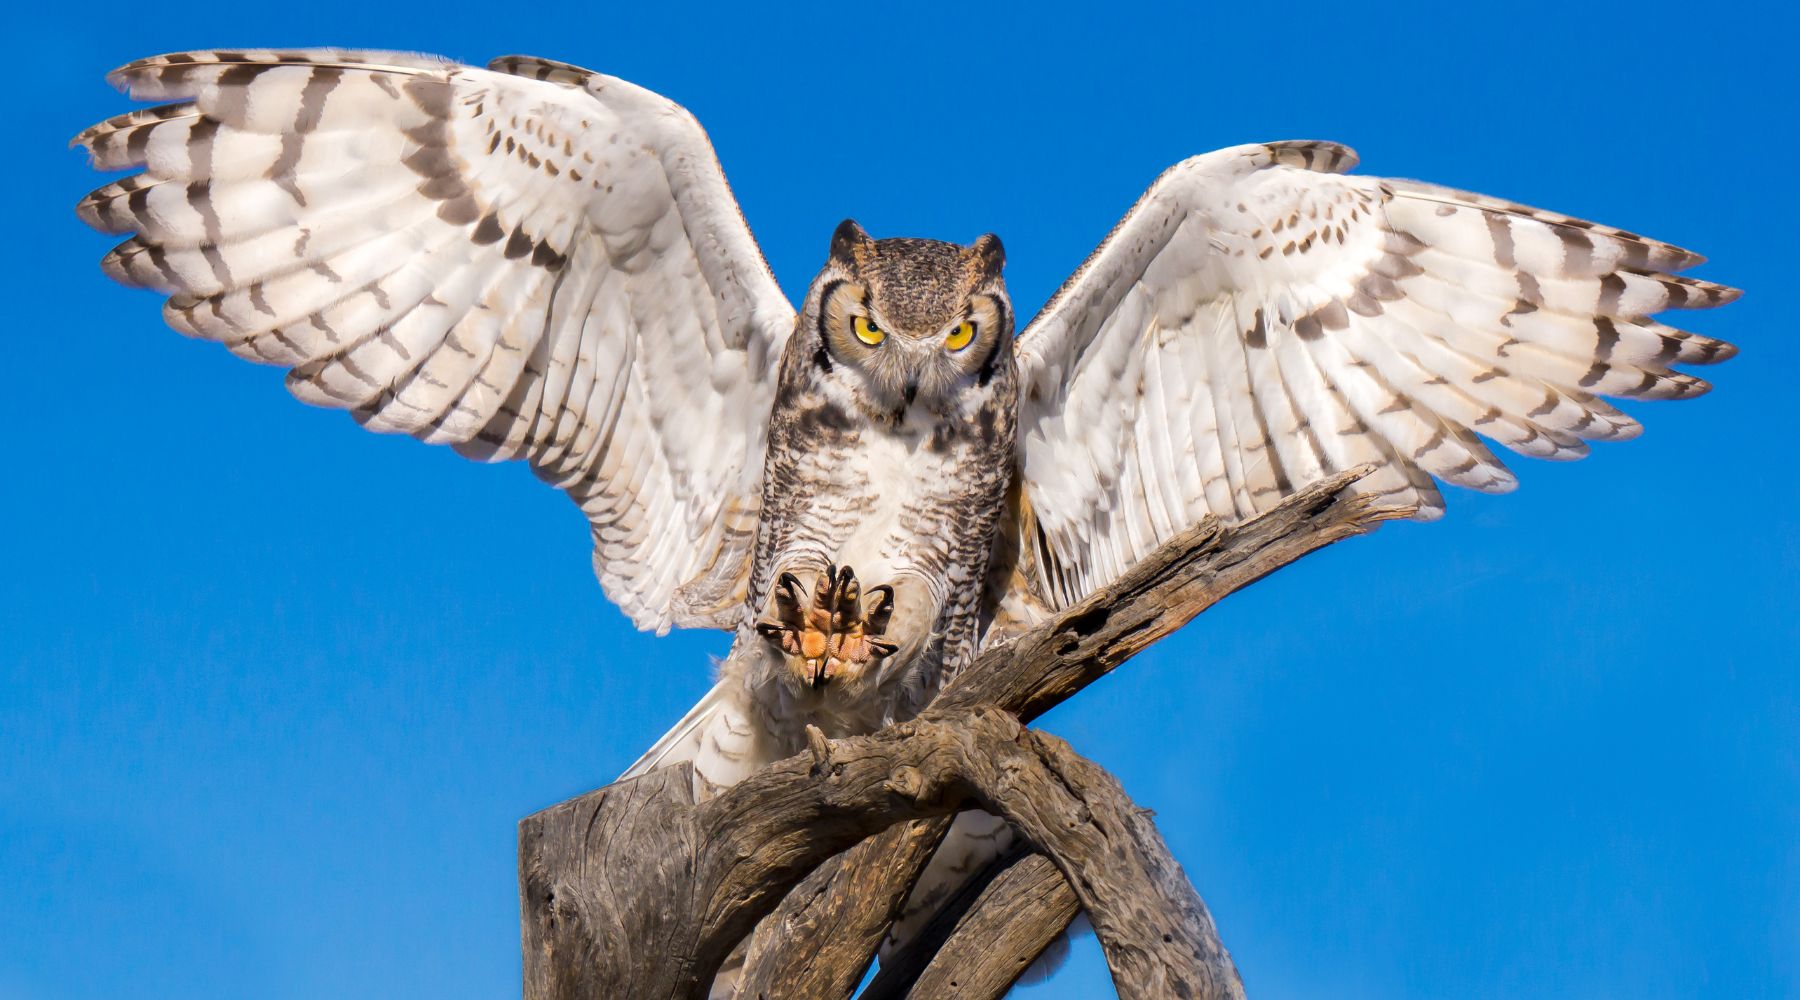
x=1168 y=589
x=695 y=880
x=823 y=902
x=985 y=937
x=1045 y=667
x=634 y=890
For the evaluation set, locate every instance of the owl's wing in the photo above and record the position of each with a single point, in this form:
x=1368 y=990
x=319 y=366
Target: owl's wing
x=1259 y=320
x=528 y=261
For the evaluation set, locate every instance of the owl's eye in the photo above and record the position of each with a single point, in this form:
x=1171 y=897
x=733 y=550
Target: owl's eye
x=868 y=332
x=961 y=336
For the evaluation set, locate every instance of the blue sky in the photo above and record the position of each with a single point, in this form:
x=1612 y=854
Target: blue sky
x=275 y=691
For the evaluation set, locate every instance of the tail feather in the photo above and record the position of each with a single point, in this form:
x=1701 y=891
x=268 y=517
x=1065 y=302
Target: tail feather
x=683 y=741
x=718 y=737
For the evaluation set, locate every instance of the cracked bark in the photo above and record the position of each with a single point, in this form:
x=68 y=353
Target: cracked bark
x=633 y=890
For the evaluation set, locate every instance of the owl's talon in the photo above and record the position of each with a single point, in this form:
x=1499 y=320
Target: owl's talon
x=835 y=633
x=877 y=616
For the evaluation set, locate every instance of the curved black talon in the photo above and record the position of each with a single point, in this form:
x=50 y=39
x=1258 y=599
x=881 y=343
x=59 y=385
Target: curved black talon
x=876 y=618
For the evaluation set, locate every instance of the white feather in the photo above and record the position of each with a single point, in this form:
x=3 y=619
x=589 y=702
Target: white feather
x=534 y=262
x=1258 y=320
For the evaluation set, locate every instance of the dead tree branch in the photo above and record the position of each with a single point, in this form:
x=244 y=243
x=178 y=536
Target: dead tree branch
x=634 y=890
x=985 y=937
x=696 y=880
x=824 y=901
x=1033 y=674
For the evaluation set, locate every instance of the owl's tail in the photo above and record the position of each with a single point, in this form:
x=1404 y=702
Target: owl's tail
x=716 y=736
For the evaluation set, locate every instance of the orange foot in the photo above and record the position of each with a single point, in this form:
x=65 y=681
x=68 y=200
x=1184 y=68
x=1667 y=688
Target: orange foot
x=833 y=634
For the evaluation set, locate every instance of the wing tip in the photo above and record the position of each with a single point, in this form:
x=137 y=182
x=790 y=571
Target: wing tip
x=1698 y=293
x=118 y=265
x=540 y=68
x=88 y=211
x=1320 y=155
x=1682 y=257
x=1725 y=295
x=160 y=76
x=129 y=77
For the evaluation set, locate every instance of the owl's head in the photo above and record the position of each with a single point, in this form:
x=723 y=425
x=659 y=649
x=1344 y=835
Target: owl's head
x=910 y=320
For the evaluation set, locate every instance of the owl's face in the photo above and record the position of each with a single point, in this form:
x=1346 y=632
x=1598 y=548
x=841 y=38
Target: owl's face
x=910 y=322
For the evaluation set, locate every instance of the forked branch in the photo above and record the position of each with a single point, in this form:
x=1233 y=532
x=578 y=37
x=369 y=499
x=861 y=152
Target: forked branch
x=846 y=908
x=634 y=890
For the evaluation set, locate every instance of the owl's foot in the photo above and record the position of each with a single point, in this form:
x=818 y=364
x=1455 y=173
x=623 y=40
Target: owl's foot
x=835 y=633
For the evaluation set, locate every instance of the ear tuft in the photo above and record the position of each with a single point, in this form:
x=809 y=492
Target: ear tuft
x=989 y=254
x=849 y=242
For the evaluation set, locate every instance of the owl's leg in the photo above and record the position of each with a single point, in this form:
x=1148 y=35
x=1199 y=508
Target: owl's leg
x=836 y=632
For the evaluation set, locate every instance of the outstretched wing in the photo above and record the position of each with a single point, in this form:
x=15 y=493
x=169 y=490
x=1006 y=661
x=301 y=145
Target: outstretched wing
x=529 y=261
x=1258 y=320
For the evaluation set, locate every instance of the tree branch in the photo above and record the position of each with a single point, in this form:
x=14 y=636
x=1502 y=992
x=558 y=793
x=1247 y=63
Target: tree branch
x=979 y=943
x=818 y=904
x=1040 y=670
x=633 y=890
x=698 y=879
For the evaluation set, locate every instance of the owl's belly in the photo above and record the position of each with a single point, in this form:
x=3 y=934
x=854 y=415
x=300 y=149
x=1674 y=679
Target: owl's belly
x=880 y=509
x=890 y=484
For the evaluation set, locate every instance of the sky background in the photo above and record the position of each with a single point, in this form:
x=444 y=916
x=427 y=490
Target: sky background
x=274 y=692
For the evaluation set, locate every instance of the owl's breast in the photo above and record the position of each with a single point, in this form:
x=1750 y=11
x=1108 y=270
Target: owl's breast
x=915 y=496
x=876 y=503
x=906 y=501
x=896 y=483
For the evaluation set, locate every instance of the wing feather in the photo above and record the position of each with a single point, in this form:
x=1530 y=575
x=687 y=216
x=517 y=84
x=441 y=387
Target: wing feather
x=527 y=261
x=1259 y=319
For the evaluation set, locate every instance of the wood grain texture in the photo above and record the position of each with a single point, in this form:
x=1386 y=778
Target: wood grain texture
x=851 y=891
x=985 y=937
x=637 y=862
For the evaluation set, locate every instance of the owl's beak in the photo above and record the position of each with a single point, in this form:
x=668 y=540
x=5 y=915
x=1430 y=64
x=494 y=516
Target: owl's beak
x=912 y=390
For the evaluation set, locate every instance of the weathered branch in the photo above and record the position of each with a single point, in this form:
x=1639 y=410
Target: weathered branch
x=1168 y=589
x=983 y=938
x=633 y=890
x=712 y=871
x=1043 y=668
x=817 y=905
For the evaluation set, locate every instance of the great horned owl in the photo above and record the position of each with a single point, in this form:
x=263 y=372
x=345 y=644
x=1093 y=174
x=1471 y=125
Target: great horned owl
x=890 y=451
x=536 y=261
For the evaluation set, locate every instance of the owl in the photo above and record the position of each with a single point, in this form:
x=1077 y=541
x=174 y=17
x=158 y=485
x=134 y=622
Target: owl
x=534 y=261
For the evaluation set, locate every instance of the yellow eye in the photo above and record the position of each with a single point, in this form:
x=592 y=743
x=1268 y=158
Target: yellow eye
x=961 y=336
x=868 y=332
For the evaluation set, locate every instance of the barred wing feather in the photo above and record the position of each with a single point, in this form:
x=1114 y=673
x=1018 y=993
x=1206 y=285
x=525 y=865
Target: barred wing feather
x=528 y=261
x=1259 y=320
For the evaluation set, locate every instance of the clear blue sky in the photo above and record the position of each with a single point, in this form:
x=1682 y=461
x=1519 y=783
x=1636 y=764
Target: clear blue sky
x=275 y=691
